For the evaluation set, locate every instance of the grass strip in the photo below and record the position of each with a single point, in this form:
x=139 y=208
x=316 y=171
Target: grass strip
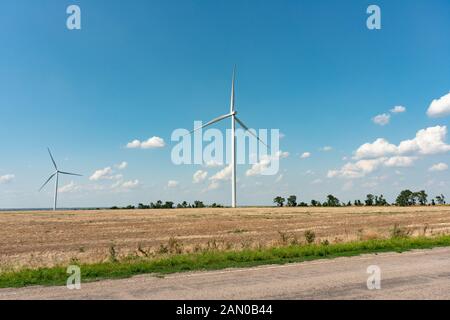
x=214 y=260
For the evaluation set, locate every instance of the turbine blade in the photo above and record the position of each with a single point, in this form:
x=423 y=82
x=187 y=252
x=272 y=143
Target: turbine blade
x=232 y=90
x=247 y=129
x=47 y=181
x=53 y=160
x=211 y=122
x=71 y=174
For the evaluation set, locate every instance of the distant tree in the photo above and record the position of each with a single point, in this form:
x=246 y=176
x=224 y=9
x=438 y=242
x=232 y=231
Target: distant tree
x=168 y=205
x=369 y=200
x=279 y=201
x=332 y=201
x=421 y=197
x=349 y=204
x=302 y=204
x=315 y=203
x=184 y=204
x=358 y=203
x=405 y=198
x=380 y=201
x=198 y=204
x=440 y=199
x=432 y=202
x=292 y=201
x=215 y=205
x=130 y=207
x=115 y=208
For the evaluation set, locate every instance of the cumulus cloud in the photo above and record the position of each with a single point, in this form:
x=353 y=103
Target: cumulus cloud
x=7 y=178
x=399 y=161
x=382 y=119
x=105 y=174
x=326 y=148
x=398 y=109
x=153 y=142
x=361 y=168
x=378 y=148
x=356 y=169
x=264 y=163
x=213 y=164
x=439 y=167
x=305 y=155
x=71 y=187
x=439 y=107
x=199 y=176
x=427 y=141
x=222 y=175
x=122 y=165
x=173 y=184
x=130 y=184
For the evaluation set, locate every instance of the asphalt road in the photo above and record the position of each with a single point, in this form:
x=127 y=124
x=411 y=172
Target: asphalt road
x=412 y=275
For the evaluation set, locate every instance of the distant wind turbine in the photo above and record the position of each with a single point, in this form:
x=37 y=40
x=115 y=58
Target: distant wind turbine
x=234 y=119
x=56 y=173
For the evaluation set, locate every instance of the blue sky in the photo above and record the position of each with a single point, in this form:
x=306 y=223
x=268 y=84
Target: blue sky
x=141 y=69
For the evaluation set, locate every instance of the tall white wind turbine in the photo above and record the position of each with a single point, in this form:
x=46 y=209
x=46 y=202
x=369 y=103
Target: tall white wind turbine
x=234 y=119
x=56 y=173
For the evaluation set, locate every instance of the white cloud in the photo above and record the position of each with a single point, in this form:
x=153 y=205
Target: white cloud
x=71 y=187
x=153 y=142
x=222 y=175
x=199 y=176
x=357 y=169
x=378 y=148
x=122 y=165
x=398 y=109
x=264 y=163
x=101 y=174
x=382 y=119
x=399 y=161
x=213 y=186
x=7 y=178
x=316 y=181
x=326 y=148
x=130 y=184
x=212 y=164
x=305 y=155
x=439 y=107
x=439 y=167
x=427 y=141
x=173 y=184
x=105 y=174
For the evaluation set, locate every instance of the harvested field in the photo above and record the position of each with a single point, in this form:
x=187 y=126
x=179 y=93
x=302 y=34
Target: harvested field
x=36 y=239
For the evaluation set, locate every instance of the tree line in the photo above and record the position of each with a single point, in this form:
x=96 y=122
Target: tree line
x=404 y=199
x=169 y=205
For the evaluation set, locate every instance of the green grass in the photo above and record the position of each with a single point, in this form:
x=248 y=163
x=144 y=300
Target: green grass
x=213 y=260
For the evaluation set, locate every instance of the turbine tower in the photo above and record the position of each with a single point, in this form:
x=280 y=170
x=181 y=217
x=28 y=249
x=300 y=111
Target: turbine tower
x=56 y=173
x=234 y=119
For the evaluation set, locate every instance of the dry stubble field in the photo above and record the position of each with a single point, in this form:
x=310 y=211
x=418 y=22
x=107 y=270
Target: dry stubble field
x=36 y=239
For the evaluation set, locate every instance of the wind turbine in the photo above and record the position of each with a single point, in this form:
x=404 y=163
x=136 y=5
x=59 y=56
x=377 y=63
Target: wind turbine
x=56 y=173
x=234 y=119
